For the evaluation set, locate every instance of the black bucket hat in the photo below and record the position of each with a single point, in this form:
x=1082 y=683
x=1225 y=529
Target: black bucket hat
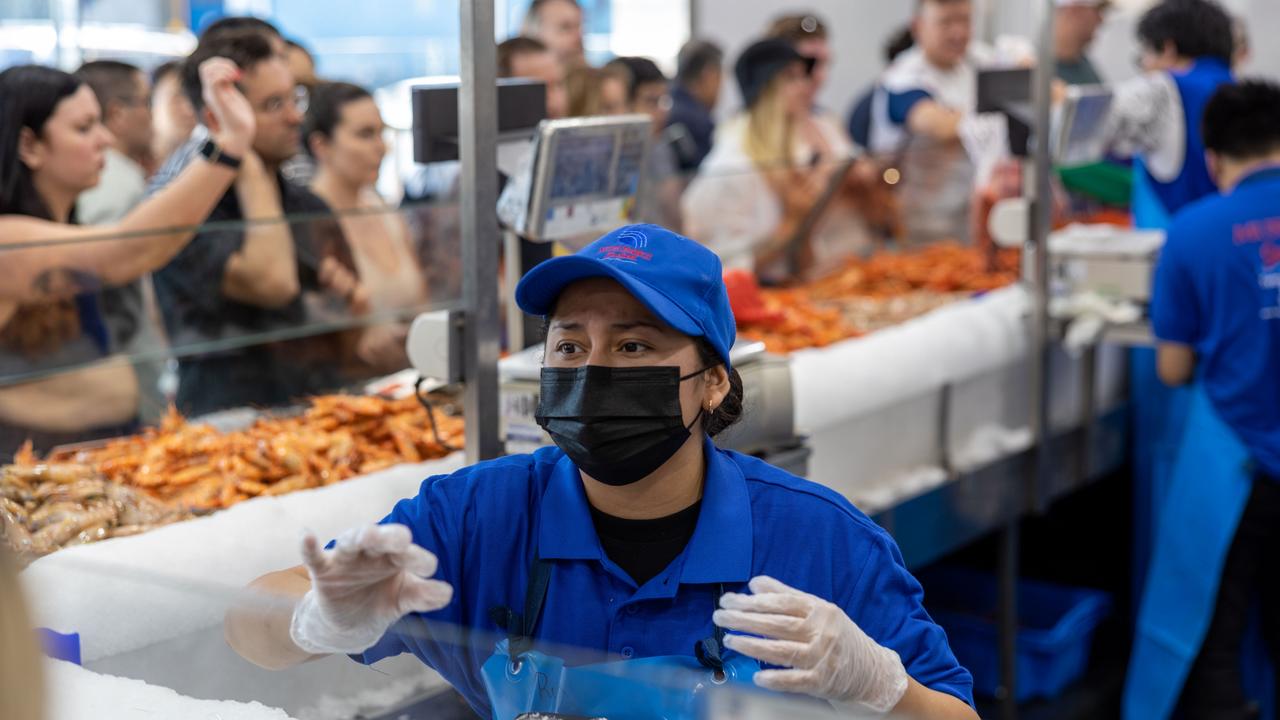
x=761 y=62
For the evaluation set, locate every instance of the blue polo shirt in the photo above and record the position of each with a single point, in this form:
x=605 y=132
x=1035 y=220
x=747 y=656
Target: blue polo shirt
x=1217 y=289
x=484 y=523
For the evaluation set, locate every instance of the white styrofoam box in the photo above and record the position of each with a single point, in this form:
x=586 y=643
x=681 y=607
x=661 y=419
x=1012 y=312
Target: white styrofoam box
x=75 y=693
x=859 y=376
x=128 y=593
x=871 y=406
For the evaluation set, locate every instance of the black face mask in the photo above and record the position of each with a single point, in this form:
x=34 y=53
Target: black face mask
x=618 y=425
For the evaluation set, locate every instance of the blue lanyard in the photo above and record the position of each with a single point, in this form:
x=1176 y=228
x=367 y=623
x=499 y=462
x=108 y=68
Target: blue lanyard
x=520 y=627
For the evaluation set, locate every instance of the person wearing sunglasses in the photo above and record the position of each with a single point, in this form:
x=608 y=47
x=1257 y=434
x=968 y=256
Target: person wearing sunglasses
x=634 y=540
x=767 y=199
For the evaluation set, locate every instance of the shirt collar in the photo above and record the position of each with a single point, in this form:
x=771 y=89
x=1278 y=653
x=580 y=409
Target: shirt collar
x=720 y=549
x=1270 y=171
x=718 y=552
x=565 y=530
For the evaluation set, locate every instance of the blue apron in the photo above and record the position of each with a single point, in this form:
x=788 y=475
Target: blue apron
x=1156 y=406
x=1170 y=427
x=519 y=679
x=1155 y=202
x=1149 y=210
x=1210 y=485
x=1190 y=489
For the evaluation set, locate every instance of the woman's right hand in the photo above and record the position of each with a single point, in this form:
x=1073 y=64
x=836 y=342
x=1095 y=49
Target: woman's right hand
x=373 y=576
x=233 y=123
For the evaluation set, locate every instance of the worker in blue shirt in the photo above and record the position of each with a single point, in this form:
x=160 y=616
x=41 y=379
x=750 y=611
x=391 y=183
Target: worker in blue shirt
x=1185 y=52
x=1216 y=314
x=635 y=537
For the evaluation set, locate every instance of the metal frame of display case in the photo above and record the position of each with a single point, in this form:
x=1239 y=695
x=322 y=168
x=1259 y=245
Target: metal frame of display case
x=477 y=153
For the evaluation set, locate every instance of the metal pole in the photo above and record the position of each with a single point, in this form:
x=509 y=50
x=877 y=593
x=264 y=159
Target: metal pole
x=1037 y=244
x=1007 y=568
x=1041 y=193
x=1088 y=414
x=478 y=141
x=67 y=25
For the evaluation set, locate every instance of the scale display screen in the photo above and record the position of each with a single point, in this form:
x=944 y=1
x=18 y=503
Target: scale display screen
x=586 y=174
x=583 y=166
x=1082 y=125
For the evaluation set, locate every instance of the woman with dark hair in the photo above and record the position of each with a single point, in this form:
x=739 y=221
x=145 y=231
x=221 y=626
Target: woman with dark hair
x=52 y=145
x=343 y=132
x=634 y=537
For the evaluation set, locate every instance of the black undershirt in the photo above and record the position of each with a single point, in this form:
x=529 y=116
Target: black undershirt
x=644 y=548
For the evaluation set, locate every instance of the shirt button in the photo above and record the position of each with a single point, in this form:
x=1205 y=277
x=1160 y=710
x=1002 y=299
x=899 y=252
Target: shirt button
x=628 y=651
x=632 y=609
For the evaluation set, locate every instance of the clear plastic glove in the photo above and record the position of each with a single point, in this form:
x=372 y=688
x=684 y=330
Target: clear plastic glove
x=985 y=138
x=373 y=576
x=826 y=654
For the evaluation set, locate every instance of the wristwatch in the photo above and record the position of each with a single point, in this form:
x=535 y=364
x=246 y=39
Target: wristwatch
x=215 y=154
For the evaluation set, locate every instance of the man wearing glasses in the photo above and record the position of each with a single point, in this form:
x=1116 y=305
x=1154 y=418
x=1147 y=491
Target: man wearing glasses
x=249 y=273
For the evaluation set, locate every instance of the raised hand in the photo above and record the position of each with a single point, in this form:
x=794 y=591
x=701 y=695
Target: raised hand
x=373 y=576
x=233 y=122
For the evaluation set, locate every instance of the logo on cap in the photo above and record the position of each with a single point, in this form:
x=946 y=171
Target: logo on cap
x=630 y=250
x=634 y=238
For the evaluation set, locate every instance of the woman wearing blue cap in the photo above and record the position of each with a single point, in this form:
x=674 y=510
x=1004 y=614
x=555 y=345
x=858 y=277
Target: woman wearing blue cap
x=635 y=538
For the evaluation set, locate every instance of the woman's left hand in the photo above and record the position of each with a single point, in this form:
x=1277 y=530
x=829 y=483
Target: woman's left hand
x=343 y=283
x=824 y=652
x=382 y=347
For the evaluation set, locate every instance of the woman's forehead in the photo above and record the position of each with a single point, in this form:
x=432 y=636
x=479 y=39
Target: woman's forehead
x=362 y=110
x=76 y=106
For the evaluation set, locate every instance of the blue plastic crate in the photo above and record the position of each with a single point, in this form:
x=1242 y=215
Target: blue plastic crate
x=1055 y=629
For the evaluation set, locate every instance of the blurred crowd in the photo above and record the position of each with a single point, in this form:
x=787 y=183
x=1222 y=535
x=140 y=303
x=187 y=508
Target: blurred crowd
x=298 y=250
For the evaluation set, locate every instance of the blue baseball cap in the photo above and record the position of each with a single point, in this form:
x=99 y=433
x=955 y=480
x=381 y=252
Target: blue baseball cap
x=678 y=279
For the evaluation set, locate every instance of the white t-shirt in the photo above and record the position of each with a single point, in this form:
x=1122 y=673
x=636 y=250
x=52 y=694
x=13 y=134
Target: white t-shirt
x=121 y=186
x=911 y=72
x=938 y=177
